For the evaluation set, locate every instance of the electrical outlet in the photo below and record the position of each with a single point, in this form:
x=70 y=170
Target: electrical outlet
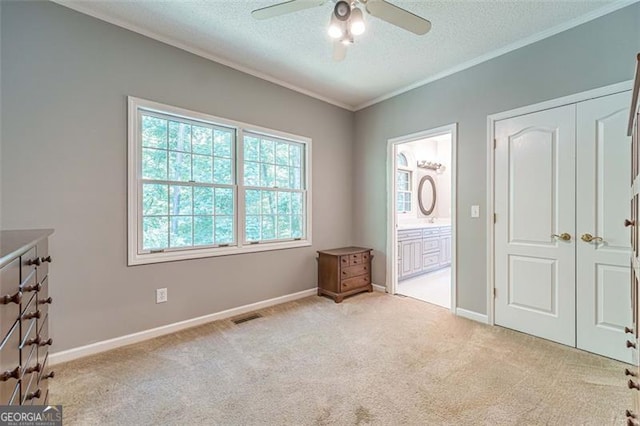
x=161 y=295
x=475 y=211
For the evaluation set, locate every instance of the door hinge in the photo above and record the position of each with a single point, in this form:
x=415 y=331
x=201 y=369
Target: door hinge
x=494 y=293
x=495 y=218
x=495 y=143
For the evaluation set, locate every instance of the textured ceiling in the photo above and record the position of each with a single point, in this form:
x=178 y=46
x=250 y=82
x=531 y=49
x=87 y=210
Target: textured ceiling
x=295 y=50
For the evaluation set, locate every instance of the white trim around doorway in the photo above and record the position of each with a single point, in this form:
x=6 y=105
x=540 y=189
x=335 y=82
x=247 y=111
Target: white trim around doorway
x=392 y=235
x=491 y=119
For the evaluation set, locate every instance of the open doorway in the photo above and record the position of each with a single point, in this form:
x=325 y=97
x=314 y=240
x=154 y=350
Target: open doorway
x=422 y=216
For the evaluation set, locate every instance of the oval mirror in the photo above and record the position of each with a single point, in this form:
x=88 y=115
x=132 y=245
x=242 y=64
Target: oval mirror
x=427 y=195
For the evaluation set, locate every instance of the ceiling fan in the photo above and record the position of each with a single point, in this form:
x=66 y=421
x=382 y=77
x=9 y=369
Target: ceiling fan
x=347 y=19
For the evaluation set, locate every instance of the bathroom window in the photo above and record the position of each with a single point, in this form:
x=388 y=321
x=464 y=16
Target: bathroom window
x=403 y=184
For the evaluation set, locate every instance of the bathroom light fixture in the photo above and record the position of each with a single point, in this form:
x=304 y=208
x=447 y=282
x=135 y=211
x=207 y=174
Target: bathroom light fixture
x=423 y=164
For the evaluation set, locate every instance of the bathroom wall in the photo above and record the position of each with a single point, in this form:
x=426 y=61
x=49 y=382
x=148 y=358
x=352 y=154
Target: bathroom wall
x=435 y=150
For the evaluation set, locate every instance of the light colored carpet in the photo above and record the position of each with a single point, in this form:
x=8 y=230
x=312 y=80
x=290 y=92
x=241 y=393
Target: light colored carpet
x=374 y=359
x=434 y=287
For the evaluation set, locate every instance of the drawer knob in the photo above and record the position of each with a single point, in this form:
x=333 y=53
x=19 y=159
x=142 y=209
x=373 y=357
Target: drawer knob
x=628 y=330
x=33 y=395
x=35 y=341
x=633 y=385
x=36 y=367
x=628 y=223
x=10 y=374
x=47 y=342
x=49 y=376
x=630 y=344
x=35 y=261
x=15 y=298
x=34 y=287
x=628 y=372
x=31 y=315
x=630 y=413
x=47 y=259
x=48 y=300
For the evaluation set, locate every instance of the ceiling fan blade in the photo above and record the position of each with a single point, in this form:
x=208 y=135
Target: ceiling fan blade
x=284 y=8
x=397 y=16
x=339 y=51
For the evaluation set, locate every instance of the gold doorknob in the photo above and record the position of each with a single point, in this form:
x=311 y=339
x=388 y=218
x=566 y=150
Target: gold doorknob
x=564 y=236
x=588 y=238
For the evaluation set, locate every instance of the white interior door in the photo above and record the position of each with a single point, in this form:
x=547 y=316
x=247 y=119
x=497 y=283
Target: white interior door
x=602 y=201
x=535 y=199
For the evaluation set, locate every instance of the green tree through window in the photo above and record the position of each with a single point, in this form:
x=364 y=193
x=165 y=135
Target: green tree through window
x=190 y=196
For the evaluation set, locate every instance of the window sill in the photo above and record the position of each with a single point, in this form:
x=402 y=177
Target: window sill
x=173 y=256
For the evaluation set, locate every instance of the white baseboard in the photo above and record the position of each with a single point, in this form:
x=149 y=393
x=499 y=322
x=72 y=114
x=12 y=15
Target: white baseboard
x=472 y=315
x=379 y=288
x=106 y=345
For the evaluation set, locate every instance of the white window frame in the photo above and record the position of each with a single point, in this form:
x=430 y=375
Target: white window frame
x=136 y=256
x=406 y=169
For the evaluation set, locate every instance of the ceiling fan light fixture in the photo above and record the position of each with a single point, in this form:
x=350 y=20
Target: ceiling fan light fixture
x=342 y=10
x=357 y=26
x=347 y=39
x=335 y=27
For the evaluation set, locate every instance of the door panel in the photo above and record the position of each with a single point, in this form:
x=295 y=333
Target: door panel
x=531 y=154
x=535 y=198
x=407 y=258
x=416 y=248
x=602 y=187
x=533 y=284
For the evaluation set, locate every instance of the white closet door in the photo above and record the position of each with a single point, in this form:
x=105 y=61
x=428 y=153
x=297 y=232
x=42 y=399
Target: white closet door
x=535 y=198
x=602 y=188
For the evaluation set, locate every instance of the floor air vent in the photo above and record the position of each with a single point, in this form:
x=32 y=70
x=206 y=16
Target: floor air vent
x=247 y=318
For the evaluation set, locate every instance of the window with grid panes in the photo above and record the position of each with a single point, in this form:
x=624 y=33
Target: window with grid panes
x=403 y=185
x=274 y=191
x=186 y=185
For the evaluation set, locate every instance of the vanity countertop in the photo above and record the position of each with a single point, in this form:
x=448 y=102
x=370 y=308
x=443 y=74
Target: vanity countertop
x=423 y=225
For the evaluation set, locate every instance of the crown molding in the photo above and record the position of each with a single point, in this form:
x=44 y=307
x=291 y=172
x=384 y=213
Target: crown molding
x=85 y=8
x=609 y=8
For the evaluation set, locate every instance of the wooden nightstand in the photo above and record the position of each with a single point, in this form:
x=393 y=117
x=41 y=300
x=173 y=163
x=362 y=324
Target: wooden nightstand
x=344 y=271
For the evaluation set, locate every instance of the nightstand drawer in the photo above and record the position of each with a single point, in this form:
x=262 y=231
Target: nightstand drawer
x=355 y=259
x=356 y=282
x=354 y=271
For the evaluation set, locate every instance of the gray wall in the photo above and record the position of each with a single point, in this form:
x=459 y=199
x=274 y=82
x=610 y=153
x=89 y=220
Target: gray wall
x=65 y=78
x=592 y=55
